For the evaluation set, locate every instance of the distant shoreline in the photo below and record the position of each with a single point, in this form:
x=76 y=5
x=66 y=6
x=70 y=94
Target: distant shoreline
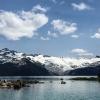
x=86 y=78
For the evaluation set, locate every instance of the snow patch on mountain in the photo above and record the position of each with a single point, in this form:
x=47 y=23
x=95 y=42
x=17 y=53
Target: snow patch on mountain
x=52 y=64
x=65 y=63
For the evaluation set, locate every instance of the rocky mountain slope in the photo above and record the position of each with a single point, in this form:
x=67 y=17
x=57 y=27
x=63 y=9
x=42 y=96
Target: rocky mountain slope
x=16 y=63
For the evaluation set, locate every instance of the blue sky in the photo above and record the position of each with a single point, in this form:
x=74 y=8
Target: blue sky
x=52 y=27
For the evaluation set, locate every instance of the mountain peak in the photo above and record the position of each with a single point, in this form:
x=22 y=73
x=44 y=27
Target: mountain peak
x=51 y=63
x=5 y=49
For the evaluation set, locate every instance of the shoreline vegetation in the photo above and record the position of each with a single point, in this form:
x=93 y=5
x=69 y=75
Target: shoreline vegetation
x=18 y=84
x=87 y=78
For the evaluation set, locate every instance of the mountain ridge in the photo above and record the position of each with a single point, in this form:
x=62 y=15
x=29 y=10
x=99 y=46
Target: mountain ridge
x=49 y=64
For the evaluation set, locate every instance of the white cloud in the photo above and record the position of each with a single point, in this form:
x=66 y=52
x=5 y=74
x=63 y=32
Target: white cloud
x=21 y=24
x=75 y=36
x=81 y=52
x=96 y=35
x=52 y=34
x=44 y=38
x=39 y=8
x=82 y=6
x=63 y=27
x=54 y=1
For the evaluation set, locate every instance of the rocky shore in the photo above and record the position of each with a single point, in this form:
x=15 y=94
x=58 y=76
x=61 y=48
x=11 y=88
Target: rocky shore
x=17 y=84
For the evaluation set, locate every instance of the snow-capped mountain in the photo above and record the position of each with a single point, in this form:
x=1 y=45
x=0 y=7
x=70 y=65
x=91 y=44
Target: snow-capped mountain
x=58 y=65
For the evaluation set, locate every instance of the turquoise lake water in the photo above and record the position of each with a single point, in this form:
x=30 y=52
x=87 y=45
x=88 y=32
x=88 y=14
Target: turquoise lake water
x=72 y=90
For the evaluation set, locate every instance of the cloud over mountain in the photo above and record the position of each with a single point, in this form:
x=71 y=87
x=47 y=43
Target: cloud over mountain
x=75 y=36
x=52 y=34
x=64 y=27
x=81 y=52
x=96 y=35
x=14 y=26
x=44 y=38
x=81 y=6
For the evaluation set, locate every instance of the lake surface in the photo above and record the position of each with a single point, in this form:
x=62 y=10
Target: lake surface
x=72 y=90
